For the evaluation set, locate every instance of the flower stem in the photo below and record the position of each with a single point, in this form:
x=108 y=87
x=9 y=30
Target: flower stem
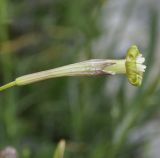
x=94 y=67
x=8 y=85
x=87 y=68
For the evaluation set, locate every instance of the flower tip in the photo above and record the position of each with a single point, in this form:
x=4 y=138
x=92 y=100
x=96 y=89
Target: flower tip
x=134 y=66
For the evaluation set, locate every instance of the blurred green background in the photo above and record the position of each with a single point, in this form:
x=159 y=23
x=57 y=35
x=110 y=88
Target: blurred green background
x=98 y=117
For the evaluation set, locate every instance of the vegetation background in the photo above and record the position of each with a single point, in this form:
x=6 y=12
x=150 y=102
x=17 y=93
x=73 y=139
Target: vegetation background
x=98 y=117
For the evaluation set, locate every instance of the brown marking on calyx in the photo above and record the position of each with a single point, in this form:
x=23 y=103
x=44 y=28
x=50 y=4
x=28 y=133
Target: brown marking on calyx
x=98 y=65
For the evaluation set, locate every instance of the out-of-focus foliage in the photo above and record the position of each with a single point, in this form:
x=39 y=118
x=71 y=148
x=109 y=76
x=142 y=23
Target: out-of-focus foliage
x=96 y=117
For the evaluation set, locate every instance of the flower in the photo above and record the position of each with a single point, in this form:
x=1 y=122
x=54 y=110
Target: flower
x=134 y=66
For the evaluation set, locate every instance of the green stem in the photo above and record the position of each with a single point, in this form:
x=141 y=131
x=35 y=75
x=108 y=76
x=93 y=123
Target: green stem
x=94 y=67
x=8 y=85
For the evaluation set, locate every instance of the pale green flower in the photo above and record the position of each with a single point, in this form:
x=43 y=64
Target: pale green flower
x=132 y=66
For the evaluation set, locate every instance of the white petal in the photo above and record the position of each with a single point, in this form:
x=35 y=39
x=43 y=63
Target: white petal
x=140 y=59
x=141 y=67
